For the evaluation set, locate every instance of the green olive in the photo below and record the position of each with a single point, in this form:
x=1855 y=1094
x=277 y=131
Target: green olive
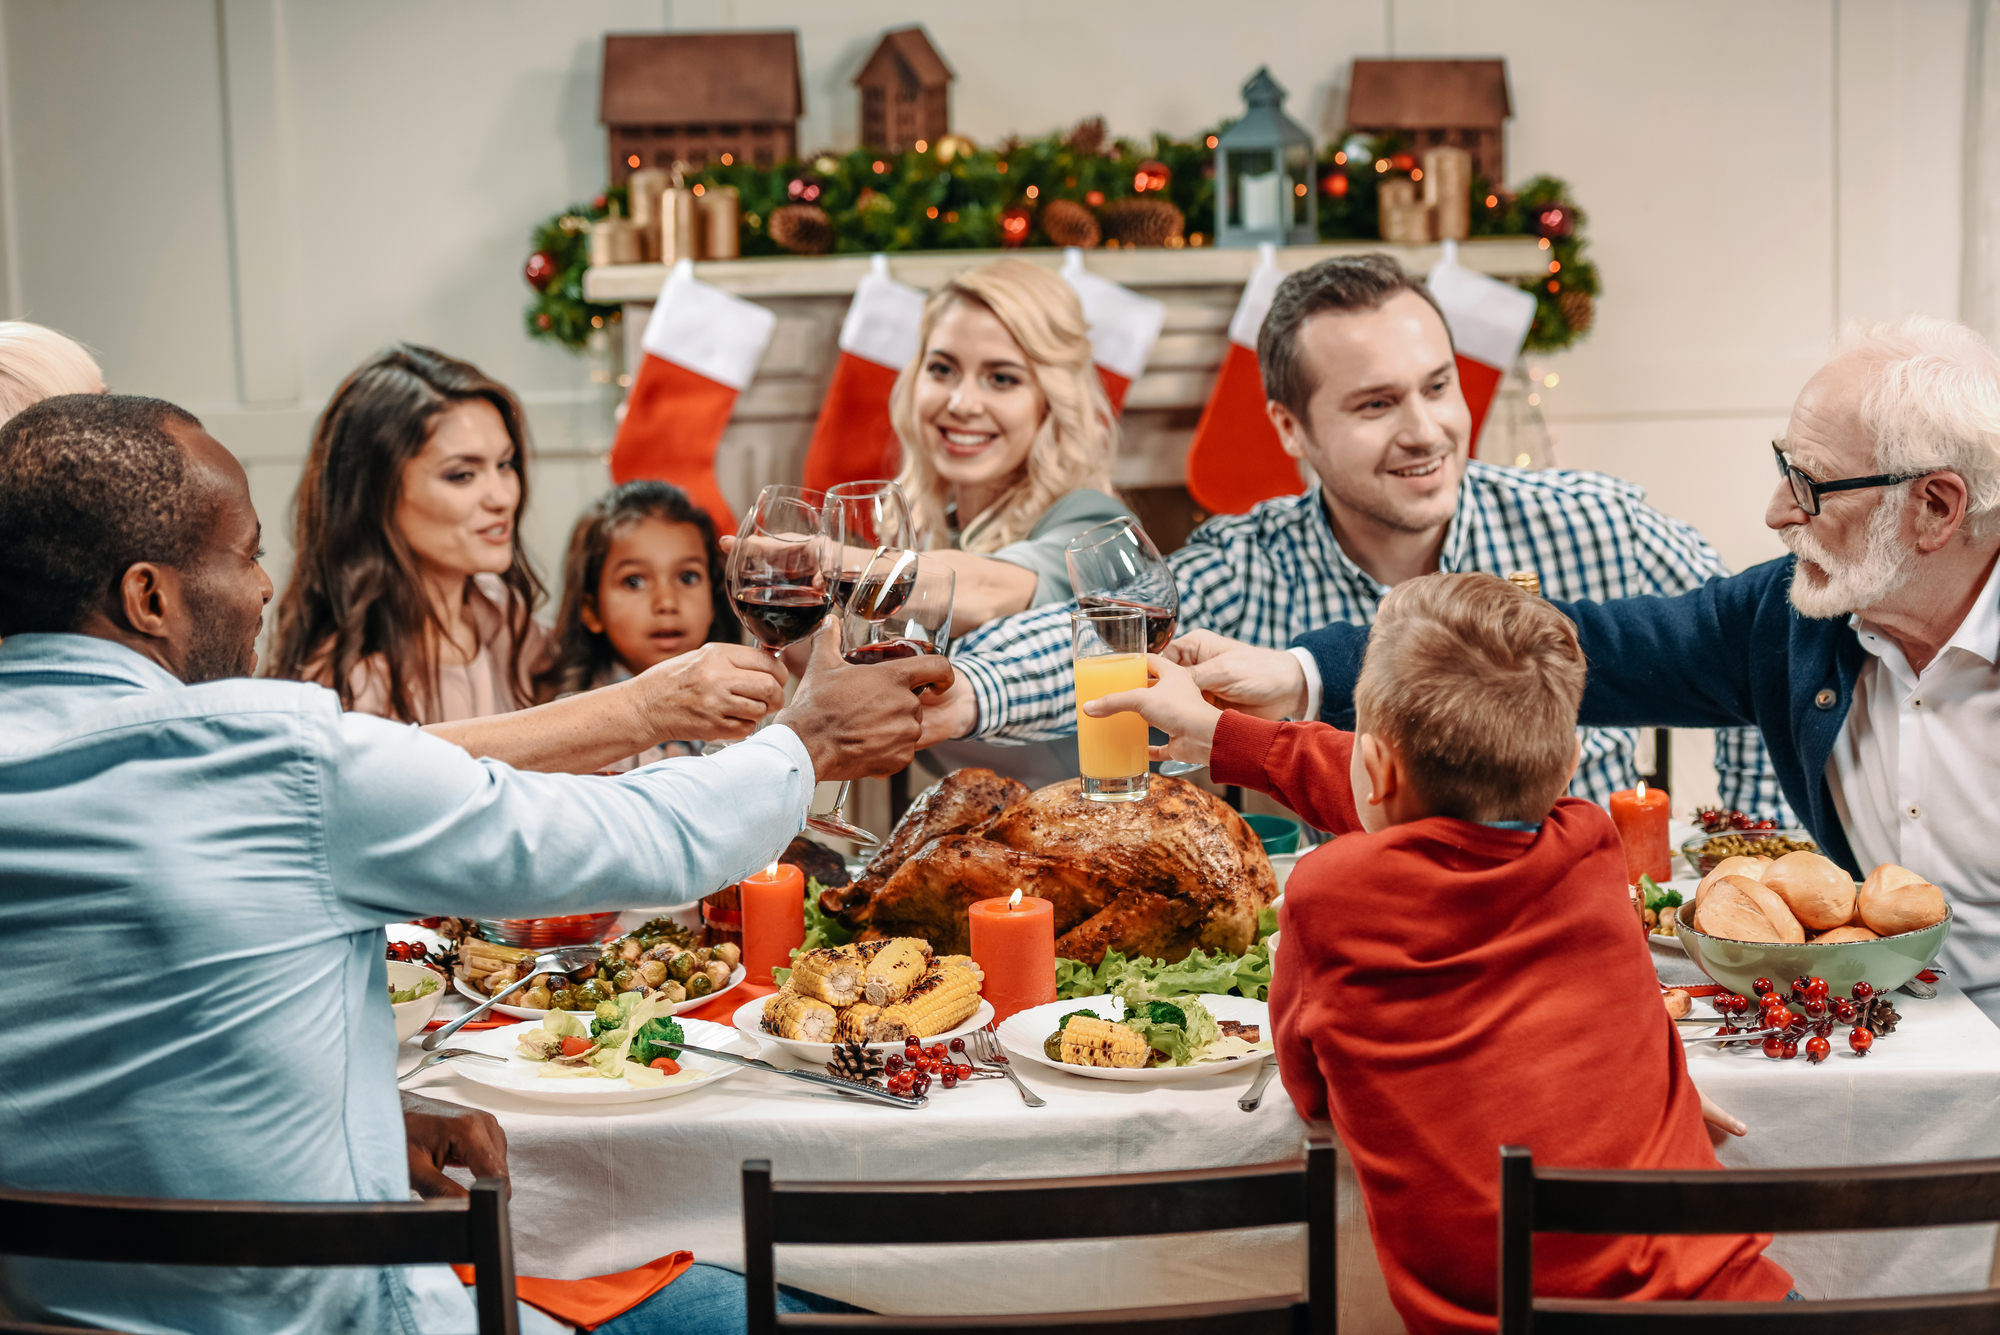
x=1052 y=1046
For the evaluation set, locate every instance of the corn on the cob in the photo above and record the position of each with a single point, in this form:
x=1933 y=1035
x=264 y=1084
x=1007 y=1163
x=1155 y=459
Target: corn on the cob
x=962 y=962
x=832 y=974
x=855 y=1022
x=1088 y=1041
x=941 y=1000
x=896 y=968
x=790 y=1014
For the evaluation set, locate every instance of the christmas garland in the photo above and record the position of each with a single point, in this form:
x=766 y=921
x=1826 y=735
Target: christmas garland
x=1075 y=189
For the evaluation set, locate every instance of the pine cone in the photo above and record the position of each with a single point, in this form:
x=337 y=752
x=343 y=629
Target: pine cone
x=852 y=1061
x=803 y=229
x=1068 y=223
x=1142 y=222
x=1881 y=1018
x=1088 y=137
x=1578 y=309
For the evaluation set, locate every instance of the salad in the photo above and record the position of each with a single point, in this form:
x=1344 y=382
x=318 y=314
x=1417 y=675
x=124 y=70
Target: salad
x=424 y=987
x=1180 y=1032
x=629 y=1038
x=1142 y=978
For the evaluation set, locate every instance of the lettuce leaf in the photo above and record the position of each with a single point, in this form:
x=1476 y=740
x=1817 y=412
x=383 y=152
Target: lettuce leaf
x=1180 y=1043
x=565 y=1024
x=822 y=928
x=1142 y=978
x=425 y=986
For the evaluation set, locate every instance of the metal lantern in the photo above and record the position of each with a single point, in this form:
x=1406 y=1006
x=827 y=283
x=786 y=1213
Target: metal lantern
x=1264 y=174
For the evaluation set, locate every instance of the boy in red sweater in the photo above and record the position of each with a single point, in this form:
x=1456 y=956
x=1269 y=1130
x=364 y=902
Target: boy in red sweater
x=1460 y=969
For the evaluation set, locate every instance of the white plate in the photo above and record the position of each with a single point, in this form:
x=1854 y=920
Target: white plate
x=750 y=1024
x=523 y=1077
x=736 y=977
x=1024 y=1032
x=1672 y=940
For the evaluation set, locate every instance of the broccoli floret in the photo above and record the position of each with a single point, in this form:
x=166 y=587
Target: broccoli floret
x=1165 y=1012
x=1064 y=1022
x=608 y=1016
x=656 y=1038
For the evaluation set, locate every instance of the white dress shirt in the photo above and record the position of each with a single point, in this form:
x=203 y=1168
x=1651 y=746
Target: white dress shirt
x=1915 y=774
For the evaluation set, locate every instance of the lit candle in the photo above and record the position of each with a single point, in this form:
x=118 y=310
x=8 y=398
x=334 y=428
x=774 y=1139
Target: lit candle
x=774 y=919
x=1641 y=817
x=1014 y=942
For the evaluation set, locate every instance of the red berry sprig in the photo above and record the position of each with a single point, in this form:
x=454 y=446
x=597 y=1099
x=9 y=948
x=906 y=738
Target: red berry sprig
x=1780 y=1030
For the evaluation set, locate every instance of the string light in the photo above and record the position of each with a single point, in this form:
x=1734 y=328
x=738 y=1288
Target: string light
x=1534 y=400
x=1381 y=164
x=923 y=147
x=880 y=166
x=1001 y=168
x=1340 y=159
x=1492 y=201
x=1211 y=141
x=1550 y=380
x=632 y=161
x=1555 y=266
x=728 y=159
x=931 y=212
x=1416 y=173
x=1034 y=192
x=700 y=190
x=1543 y=243
x=1300 y=190
x=1522 y=461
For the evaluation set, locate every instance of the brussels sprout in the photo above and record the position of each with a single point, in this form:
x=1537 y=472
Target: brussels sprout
x=592 y=995
x=629 y=950
x=729 y=953
x=718 y=974
x=681 y=965
x=698 y=985
x=627 y=980
x=673 y=993
x=536 y=998
x=653 y=972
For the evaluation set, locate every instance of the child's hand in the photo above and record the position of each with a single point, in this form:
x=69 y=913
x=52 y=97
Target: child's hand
x=1173 y=704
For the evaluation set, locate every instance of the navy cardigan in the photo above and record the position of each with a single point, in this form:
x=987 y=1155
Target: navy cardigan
x=1730 y=653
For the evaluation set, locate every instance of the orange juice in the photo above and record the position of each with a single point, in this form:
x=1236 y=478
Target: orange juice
x=1115 y=747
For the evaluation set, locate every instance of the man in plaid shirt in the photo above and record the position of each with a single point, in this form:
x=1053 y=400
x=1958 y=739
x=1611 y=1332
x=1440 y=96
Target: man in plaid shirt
x=1359 y=370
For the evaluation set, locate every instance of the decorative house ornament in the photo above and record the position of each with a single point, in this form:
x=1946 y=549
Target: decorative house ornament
x=1435 y=104
x=905 y=93
x=1264 y=174
x=699 y=98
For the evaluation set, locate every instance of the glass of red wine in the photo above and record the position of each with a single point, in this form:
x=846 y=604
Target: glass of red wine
x=860 y=518
x=900 y=607
x=776 y=572
x=1117 y=565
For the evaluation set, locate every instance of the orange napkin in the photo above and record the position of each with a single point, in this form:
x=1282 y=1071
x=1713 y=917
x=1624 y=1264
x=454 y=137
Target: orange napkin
x=594 y=1301
x=723 y=1009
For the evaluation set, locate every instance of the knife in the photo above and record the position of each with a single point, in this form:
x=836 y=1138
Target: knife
x=852 y=1088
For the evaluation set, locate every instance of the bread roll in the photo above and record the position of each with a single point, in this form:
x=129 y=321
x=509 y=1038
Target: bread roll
x=1839 y=934
x=1783 y=920
x=1736 y=866
x=1728 y=911
x=1819 y=894
x=1895 y=900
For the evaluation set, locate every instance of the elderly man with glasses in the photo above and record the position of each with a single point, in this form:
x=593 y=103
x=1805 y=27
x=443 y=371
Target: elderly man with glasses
x=1869 y=658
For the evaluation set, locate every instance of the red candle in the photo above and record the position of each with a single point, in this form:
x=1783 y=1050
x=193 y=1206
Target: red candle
x=774 y=919
x=1641 y=817
x=1014 y=942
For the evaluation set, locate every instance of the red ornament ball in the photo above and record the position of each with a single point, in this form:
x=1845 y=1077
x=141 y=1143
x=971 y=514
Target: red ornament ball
x=540 y=270
x=1149 y=176
x=1402 y=162
x=542 y=320
x=1014 y=224
x=1335 y=184
x=1555 y=221
x=803 y=189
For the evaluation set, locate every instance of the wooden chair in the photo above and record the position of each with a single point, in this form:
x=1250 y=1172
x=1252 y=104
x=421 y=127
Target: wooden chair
x=135 y=1231
x=1807 y=1200
x=1053 y=1209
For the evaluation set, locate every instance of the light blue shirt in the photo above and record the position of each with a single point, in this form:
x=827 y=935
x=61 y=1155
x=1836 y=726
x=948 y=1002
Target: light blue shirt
x=193 y=883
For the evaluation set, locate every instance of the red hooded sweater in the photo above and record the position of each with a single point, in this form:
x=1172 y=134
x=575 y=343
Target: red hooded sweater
x=1420 y=979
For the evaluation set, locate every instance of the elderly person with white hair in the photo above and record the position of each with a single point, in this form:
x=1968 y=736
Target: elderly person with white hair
x=1869 y=658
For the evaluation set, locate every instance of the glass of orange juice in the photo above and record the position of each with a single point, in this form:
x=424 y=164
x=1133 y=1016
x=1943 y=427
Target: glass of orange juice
x=1110 y=650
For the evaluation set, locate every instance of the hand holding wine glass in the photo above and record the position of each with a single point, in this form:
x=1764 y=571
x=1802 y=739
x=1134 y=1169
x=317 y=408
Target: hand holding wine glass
x=860 y=721
x=1116 y=565
x=776 y=567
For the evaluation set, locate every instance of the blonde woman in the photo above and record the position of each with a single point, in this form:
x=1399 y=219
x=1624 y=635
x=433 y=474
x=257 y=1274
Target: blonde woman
x=37 y=363
x=1007 y=437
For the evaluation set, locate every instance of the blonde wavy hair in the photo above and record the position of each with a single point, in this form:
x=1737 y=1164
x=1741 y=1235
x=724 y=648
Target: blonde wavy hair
x=1078 y=437
x=37 y=363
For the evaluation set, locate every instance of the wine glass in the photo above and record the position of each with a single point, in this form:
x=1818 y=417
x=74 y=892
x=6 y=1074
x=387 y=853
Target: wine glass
x=858 y=520
x=900 y=607
x=1116 y=565
x=776 y=574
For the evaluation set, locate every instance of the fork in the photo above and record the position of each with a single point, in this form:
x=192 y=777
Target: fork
x=446 y=1054
x=986 y=1049
x=560 y=960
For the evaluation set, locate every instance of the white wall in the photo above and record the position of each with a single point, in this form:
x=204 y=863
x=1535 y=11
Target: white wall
x=236 y=200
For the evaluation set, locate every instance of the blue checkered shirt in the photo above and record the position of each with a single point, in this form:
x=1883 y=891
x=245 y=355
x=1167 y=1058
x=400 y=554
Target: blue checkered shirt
x=1277 y=572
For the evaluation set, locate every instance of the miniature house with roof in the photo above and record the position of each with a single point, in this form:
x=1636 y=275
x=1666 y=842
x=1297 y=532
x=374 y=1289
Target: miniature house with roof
x=905 y=92
x=1433 y=104
x=696 y=97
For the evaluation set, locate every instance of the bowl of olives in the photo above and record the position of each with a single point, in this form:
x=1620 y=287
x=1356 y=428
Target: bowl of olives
x=1705 y=850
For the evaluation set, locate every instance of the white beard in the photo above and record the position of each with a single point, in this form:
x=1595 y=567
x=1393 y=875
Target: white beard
x=1885 y=565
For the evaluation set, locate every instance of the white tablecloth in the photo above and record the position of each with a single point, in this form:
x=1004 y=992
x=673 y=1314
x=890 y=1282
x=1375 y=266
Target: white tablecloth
x=1929 y=1091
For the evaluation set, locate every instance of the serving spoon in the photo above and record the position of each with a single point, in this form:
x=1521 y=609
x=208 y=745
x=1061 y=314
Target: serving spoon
x=560 y=960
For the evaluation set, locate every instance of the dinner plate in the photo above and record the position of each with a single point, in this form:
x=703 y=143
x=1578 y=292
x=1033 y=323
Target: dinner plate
x=523 y=1077
x=1025 y=1031
x=1672 y=941
x=736 y=977
x=750 y=1024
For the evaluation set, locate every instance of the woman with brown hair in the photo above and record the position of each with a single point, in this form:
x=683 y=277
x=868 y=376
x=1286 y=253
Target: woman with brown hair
x=411 y=594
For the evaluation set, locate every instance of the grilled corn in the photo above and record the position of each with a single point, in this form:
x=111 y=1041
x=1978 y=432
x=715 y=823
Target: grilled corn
x=896 y=968
x=790 y=1014
x=962 y=962
x=942 y=999
x=856 y=1021
x=1089 y=1041
x=832 y=974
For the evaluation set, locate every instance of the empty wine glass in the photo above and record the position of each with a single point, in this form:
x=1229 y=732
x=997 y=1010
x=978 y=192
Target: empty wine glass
x=1116 y=565
x=900 y=607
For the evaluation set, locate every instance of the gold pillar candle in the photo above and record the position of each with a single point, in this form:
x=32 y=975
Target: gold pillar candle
x=644 y=188
x=721 y=212
x=1526 y=579
x=1405 y=219
x=680 y=238
x=614 y=240
x=1448 y=192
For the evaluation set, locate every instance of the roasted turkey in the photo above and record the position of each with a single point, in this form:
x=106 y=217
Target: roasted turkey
x=1156 y=877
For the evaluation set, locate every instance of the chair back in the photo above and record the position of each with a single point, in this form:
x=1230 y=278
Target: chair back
x=1125 y=1205
x=1766 y=1200
x=121 y=1230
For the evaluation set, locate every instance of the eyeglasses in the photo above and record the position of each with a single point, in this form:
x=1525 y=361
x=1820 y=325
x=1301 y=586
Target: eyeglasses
x=1807 y=492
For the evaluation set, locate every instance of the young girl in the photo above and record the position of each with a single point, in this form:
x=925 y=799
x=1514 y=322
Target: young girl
x=642 y=583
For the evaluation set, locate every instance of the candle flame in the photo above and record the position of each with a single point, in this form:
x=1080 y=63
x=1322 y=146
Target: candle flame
x=1014 y=901
x=771 y=872
x=1642 y=790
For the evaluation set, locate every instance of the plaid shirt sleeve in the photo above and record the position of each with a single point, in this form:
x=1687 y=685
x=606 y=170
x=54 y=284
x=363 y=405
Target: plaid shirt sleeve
x=1673 y=557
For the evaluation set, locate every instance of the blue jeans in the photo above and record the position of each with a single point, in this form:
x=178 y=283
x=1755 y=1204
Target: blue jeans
x=708 y=1300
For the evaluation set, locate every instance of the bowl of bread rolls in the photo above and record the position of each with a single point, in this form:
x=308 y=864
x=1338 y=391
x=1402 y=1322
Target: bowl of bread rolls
x=1802 y=915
